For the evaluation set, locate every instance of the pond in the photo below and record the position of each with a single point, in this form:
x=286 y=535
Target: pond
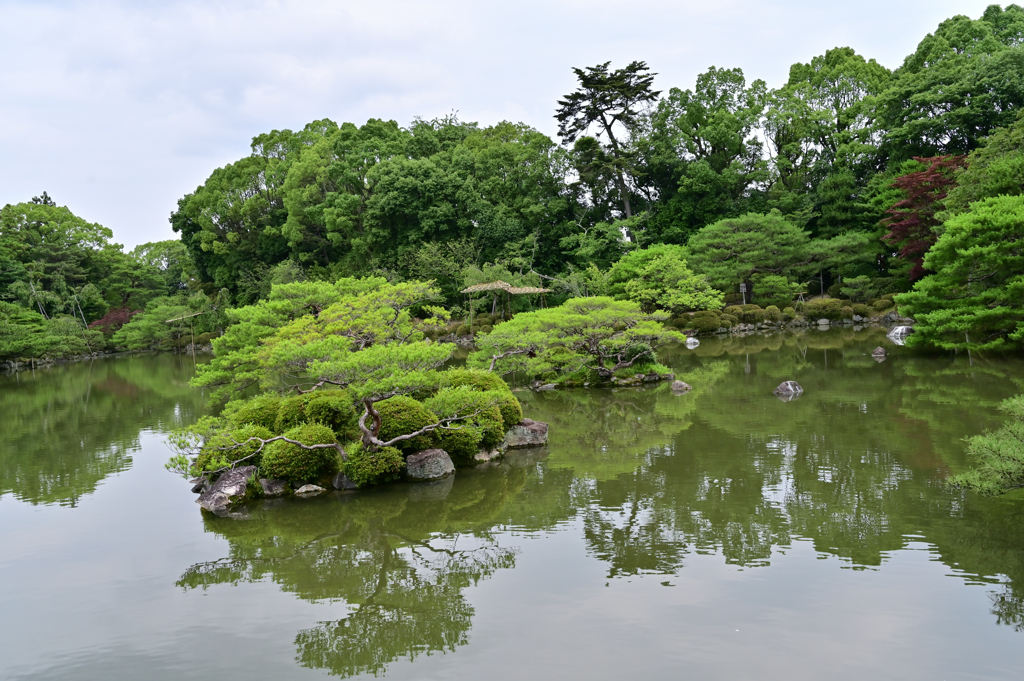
x=722 y=534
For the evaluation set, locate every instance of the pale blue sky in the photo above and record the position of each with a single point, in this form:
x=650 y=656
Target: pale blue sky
x=117 y=109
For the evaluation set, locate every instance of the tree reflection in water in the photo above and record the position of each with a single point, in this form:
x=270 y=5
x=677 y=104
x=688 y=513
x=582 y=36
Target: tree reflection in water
x=855 y=465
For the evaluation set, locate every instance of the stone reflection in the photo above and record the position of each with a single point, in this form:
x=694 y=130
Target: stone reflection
x=66 y=428
x=400 y=558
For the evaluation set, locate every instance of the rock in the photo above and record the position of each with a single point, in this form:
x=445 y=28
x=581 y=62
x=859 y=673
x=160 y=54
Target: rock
x=341 y=481
x=890 y=317
x=546 y=386
x=651 y=378
x=273 y=488
x=681 y=388
x=528 y=433
x=485 y=456
x=691 y=343
x=857 y=318
x=790 y=390
x=309 y=490
x=668 y=377
x=899 y=334
x=430 y=464
x=200 y=484
x=823 y=322
x=879 y=352
x=229 y=488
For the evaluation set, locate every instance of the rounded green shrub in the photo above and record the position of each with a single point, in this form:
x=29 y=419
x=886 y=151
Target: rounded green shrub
x=862 y=310
x=403 y=415
x=772 y=313
x=788 y=313
x=735 y=310
x=488 y=425
x=706 y=322
x=827 y=308
x=509 y=407
x=215 y=456
x=728 y=320
x=366 y=468
x=474 y=378
x=292 y=412
x=486 y=329
x=260 y=410
x=463 y=330
x=334 y=409
x=289 y=462
x=883 y=304
x=846 y=311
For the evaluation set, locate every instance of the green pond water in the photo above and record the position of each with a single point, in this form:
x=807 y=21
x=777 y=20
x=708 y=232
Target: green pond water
x=722 y=534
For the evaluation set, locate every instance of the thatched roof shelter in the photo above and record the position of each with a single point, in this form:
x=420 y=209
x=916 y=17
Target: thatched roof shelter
x=493 y=286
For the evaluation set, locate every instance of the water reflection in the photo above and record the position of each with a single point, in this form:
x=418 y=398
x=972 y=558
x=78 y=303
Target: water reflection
x=66 y=428
x=651 y=478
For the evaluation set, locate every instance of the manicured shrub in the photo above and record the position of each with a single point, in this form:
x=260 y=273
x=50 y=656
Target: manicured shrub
x=772 y=313
x=463 y=330
x=847 y=312
x=366 y=468
x=751 y=314
x=334 y=409
x=403 y=415
x=789 y=314
x=883 y=304
x=486 y=329
x=289 y=462
x=213 y=456
x=735 y=310
x=706 y=321
x=862 y=310
x=827 y=308
x=474 y=378
x=292 y=412
x=260 y=410
x=489 y=424
x=835 y=290
x=728 y=320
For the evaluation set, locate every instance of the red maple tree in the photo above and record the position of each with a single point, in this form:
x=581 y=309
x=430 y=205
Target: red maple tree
x=912 y=221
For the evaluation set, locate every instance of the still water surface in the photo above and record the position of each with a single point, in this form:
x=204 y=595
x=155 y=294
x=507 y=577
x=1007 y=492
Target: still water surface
x=723 y=534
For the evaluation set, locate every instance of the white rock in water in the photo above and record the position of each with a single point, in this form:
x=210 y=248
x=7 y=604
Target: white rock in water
x=309 y=490
x=899 y=334
x=691 y=343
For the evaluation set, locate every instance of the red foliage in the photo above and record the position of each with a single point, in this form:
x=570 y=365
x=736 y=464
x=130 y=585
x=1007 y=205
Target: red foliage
x=114 y=319
x=912 y=223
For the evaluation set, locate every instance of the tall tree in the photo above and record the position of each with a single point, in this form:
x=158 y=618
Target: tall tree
x=611 y=101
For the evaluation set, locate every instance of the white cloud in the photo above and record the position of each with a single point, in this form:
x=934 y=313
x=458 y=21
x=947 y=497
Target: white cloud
x=119 y=108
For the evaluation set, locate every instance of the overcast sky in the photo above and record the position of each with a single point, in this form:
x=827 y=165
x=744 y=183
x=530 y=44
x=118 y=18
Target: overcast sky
x=118 y=109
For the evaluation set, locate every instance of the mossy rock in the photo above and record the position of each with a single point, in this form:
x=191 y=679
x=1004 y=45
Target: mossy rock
x=213 y=456
x=403 y=415
x=292 y=463
x=261 y=410
x=366 y=468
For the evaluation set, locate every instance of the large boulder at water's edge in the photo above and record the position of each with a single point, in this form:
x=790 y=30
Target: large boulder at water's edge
x=273 y=487
x=527 y=433
x=430 y=464
x=229 y=488
x=341 y=481
x=309 y=490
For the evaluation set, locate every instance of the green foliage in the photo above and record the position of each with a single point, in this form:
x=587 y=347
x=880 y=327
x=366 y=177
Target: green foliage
x=594 y=332
x=733 y=250
x=292 y=411
x=999 y=455
x=221 y=449
x=402 y=415
x=474 y=378
x=772 y=313
x=484 y=430
x=773 y=289
x=666 y=283
x=261 y=410
x=289 y=462
x=367 y=468
x=631 y=265
x=823 y=308
x=974 y=299
x=788 y=313
x=334 y=409
x=707 y=322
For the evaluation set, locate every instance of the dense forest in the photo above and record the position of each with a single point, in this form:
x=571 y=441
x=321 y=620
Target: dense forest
x=849 y=181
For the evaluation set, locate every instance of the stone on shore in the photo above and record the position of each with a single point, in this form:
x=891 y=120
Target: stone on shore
x=309 y=490
x=527 y=433
x=229 y=488
x=273 y=487
x=879 y=352
x=430 y=464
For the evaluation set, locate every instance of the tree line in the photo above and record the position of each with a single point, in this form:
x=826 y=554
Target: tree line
x=850 y=180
